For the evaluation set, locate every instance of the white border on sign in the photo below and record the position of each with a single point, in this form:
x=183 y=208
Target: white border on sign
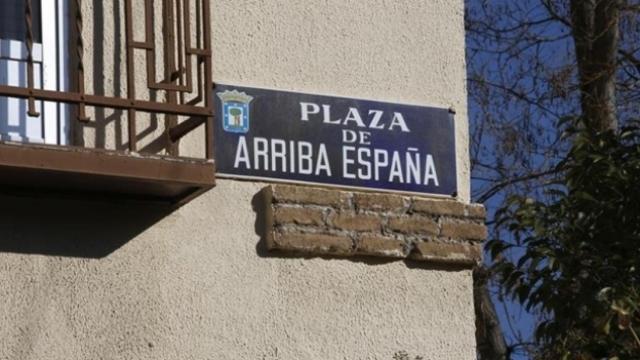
x=450 y=108
x=336 y=186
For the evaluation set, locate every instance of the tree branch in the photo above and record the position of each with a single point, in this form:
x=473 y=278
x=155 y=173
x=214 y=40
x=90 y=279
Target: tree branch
x=499 y=186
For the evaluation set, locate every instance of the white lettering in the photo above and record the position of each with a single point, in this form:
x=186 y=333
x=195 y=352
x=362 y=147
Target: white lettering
x=261 y=151
x=242 y=155
x=305 y=161
x=375 y=118
x=413 y=167
x=292 y=156
x=354 y=115
x=365 y=138
x=346 y=161
x=308 y=109
x=396 y=168
x=381 y=160
x=375 y=122
x=364 y=154
x=326 y=109
x=278 y=152
x=430 y=171
x=323 y=161
x=398 y=120
x=349 y=136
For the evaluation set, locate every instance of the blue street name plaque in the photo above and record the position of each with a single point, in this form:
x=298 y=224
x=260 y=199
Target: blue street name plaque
x=304 y=138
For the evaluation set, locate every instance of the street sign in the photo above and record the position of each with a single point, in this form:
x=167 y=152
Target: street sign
x=302 y=138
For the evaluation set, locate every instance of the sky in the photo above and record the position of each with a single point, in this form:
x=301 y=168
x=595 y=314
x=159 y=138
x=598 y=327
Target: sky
x=514 y=119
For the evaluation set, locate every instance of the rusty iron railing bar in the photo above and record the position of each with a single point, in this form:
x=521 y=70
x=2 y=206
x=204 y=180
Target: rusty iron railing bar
x=199 y=27
x=180 y=68
x=201 y=52
x=131 y=85
x=141 y=45
x=108 y=102
x=199 y=57
x=167 y=86
x=82 y=116
x=186 y=23
x=208 y=79
x=170 y=67
x=168 y=33
x=29 y=24
x=149 y=39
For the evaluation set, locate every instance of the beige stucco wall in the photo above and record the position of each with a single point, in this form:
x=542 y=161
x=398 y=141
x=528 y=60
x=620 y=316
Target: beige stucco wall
x=80 y=280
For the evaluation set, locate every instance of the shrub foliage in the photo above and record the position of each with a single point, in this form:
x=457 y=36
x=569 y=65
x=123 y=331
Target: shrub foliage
x=575 y=259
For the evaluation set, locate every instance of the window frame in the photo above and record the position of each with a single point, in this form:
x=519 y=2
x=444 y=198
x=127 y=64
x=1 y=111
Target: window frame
x=51 y=72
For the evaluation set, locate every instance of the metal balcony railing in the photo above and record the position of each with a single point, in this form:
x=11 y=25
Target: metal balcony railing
x=173 y=51
x=187 y=87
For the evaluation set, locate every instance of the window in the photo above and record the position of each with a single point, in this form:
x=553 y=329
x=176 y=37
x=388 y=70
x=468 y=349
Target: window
x=50 y=55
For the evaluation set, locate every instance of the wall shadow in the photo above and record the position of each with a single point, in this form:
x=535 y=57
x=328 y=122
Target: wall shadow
x=72 y=227
x=259 y=206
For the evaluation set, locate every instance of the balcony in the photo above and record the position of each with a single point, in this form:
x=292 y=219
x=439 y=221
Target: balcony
x=112 y=99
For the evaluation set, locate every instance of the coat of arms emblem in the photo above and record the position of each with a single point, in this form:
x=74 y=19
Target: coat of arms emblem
x=235 y=111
